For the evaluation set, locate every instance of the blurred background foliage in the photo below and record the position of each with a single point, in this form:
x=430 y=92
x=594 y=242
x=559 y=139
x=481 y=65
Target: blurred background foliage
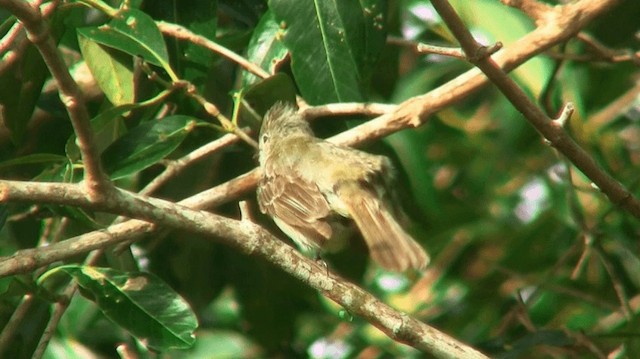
x=529 y=260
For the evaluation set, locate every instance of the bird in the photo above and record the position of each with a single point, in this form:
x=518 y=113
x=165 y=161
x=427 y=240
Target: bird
x=309 y=186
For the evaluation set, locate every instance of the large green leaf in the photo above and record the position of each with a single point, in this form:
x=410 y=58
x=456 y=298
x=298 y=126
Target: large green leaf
x=135 y=33
x=332 y=45
x=112 y=70
x=145 y=145
x=139 y=302
x=265 y=47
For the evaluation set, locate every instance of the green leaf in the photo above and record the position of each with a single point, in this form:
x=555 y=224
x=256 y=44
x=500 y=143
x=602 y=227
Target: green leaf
x=112 y=70
x=139 y=302
x=513 y=25
x=332 y=45
x=199 y=17
x=265 y=47
x=20 y=88
x=220 y=344
x=135 y=33
x=375 y=32
x=107 y=126
x=145 y=145
x=38 y=158
x=265 y=93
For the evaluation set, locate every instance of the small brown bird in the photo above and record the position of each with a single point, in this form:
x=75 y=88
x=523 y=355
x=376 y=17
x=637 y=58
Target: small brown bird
x=308 y=183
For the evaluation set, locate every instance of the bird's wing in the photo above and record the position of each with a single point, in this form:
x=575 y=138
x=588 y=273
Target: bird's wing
x=298 y=205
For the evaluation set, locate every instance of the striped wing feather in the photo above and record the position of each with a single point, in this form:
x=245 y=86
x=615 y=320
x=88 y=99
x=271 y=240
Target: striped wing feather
x=300 y=207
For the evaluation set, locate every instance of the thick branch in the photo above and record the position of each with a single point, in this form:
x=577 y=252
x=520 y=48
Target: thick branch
x=253 y=240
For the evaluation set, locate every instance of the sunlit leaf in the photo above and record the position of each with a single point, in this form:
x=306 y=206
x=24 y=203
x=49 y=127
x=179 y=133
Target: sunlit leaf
x=139 y=302
x=111 y=69
x=266 y=47
x=332 y=45
x=135 y=33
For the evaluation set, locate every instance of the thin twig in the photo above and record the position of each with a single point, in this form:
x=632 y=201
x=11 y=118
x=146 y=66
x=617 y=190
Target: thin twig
x=245 y=212
x=614 y=109
x=58 y=310
x=226 y=123
x=546 y=96
x=10 y=37
x=333 y=109
x=615 y=280
x=191 y=90
x=15 y=321
x=423 y=48
x=605 y=53
x=183 y=33
x=174 y=168
x=584 y=256
x=618 y=318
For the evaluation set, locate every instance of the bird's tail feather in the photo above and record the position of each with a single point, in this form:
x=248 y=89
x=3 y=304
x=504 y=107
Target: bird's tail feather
x=389 y=244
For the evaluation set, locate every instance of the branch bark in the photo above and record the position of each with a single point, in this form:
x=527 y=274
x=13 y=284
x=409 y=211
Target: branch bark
x=252 y=240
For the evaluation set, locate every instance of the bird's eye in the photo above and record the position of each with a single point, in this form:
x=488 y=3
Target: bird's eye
x=265 y=138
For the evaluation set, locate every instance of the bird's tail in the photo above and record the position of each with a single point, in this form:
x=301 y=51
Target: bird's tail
x=389 y=244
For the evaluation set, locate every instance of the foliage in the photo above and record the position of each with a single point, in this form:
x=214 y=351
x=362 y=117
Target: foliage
x=529 y=259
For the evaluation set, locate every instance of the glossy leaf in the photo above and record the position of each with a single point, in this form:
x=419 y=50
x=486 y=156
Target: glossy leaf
x=111 y=69
x=145 y=145
x=331 y=44
x=265 y=47
x=265 y=93
x=139 y=302
x=199 y=17
x=135 y=33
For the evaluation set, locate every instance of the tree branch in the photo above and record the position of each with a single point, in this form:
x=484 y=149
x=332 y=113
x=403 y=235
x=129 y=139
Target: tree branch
x=553 y=131
x=252 y=240
x=417 y=108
